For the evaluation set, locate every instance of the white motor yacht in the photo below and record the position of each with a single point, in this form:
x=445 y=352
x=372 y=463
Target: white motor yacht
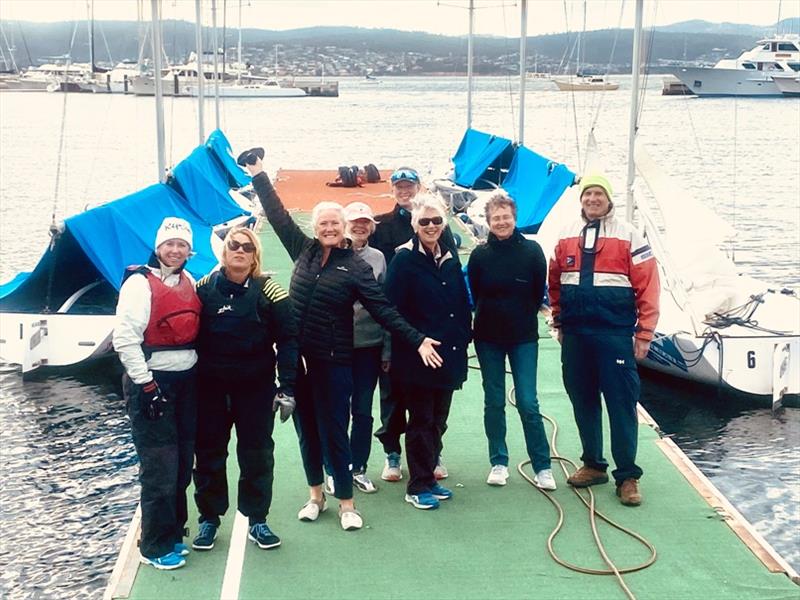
x=752 y=74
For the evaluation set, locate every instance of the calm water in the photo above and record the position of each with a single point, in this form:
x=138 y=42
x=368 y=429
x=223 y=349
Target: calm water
x=68 y=470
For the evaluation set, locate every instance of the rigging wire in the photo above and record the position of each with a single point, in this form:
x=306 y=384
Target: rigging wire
x=508 y=77
x=61 y=157
x=608 y=65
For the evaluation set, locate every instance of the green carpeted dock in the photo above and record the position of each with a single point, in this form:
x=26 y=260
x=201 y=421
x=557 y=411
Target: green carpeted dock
x=486 y=542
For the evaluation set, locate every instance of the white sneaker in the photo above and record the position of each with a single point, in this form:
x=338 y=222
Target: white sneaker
x=498 y=475
x=440 y=472
x=350 y=520
x=364 y=483
x=312 y=509
x=328 y=487
x=544 y=480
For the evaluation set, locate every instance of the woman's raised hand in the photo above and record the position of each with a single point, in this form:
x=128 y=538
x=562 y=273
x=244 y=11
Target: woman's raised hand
x=427 y=352
x=255 y=168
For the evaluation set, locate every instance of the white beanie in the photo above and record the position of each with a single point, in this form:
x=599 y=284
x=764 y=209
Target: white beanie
x=174 y=228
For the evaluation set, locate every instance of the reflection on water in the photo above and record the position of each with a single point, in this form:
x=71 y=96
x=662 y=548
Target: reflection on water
x=67 y=482
x=749 y=454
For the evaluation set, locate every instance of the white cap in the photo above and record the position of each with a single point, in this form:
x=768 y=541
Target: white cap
x=358 y=210
x=174 y=228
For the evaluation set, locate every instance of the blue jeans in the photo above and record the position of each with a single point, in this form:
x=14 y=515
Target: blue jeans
x=523 y=359
x=366 y=368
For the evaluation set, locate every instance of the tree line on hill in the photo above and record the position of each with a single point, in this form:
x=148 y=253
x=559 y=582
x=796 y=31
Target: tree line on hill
x=34 y=43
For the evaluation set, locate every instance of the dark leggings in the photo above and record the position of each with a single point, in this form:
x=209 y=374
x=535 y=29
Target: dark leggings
x=321 y=419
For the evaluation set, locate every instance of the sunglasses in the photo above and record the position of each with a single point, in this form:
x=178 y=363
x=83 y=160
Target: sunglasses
x=425 y=221
x=248 y=247
x=405 y=175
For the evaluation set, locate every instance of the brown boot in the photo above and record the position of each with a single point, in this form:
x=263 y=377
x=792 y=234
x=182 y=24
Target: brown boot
x=586 y=476
x=628 y=492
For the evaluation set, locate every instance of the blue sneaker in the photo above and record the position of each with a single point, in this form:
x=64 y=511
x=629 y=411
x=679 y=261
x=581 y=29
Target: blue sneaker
x=441 y=493
x=181 y=549
x=206 y=536
x=424 y=500
x=261 y=534
x=167 y=562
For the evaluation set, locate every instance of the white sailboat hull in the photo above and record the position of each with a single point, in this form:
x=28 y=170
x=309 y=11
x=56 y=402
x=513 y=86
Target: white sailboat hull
x=746 y=365
x=714 y=81
x=585 y=86
x=31 y=340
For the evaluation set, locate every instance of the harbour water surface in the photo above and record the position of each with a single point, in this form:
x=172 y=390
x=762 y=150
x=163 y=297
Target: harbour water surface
x=68 y=471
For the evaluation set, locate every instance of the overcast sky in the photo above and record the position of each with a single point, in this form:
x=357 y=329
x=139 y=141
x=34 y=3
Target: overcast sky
x=447 y=17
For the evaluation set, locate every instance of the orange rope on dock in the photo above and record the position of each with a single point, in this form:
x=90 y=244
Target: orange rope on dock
x=302 y=189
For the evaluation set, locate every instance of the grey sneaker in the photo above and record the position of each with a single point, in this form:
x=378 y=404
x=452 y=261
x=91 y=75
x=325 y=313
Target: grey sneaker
x=363 y=483
x=328 y=487
x=392 y=470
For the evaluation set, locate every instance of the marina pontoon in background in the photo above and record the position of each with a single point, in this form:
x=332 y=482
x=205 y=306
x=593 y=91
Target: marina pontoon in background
x=62 y=312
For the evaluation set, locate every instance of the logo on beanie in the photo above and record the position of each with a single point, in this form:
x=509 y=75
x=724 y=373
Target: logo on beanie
x=174 y=228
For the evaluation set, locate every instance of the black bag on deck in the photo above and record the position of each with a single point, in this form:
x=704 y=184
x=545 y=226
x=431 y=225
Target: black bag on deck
x=372 y=173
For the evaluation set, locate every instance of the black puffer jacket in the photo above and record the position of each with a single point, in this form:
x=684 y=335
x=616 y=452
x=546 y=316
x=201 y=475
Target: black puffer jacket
x=322 y=297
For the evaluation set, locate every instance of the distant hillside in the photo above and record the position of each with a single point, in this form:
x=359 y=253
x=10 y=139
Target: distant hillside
x=697 y=26
x=352 y=50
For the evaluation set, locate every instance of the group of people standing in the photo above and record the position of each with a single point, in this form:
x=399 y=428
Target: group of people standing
x=372 y=300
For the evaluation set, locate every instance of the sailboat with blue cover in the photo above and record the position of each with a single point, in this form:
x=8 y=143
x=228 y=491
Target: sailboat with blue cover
x=62 y=312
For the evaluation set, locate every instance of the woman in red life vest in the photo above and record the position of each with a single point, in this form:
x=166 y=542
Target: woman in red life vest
x=158 y=317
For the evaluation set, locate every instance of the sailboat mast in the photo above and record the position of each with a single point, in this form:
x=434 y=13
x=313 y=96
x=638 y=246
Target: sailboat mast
x=239 y=49
x=523 y=59
x=216 y=62
x=633 y=125
x=91 y=36
x=162 y=163
x=469 y=62
x=201 y=77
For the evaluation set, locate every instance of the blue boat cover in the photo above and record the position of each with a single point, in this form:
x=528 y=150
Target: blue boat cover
x=535 y=183
x=129 y=227
x=204 y=183
x=221 y=148
x=104 y=241
x=481 y=156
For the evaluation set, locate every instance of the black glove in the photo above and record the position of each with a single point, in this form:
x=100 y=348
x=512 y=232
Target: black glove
x=286 y=405
x=153 y=401
x=249 y=157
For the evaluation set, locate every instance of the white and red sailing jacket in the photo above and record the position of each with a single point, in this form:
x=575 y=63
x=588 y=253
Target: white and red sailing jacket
x=609 y=288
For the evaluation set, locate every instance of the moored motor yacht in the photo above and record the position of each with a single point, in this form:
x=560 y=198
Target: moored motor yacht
x=752 y=74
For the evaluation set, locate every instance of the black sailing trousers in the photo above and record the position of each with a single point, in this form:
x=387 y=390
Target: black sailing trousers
x=245 y=403
x=165 y=447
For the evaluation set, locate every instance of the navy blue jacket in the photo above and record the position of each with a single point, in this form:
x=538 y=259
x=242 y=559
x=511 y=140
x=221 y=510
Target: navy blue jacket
x=432 y=299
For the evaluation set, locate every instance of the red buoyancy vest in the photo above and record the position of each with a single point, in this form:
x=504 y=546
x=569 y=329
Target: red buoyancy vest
x=174 y=313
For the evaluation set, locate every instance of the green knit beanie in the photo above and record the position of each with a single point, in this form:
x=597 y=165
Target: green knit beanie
x=596 y=179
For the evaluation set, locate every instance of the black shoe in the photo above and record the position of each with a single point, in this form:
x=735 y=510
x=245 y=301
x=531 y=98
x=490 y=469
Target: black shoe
x=262 y=535
x=206 y=536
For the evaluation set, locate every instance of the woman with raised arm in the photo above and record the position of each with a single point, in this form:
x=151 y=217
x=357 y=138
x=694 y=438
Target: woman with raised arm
x=326 y=280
